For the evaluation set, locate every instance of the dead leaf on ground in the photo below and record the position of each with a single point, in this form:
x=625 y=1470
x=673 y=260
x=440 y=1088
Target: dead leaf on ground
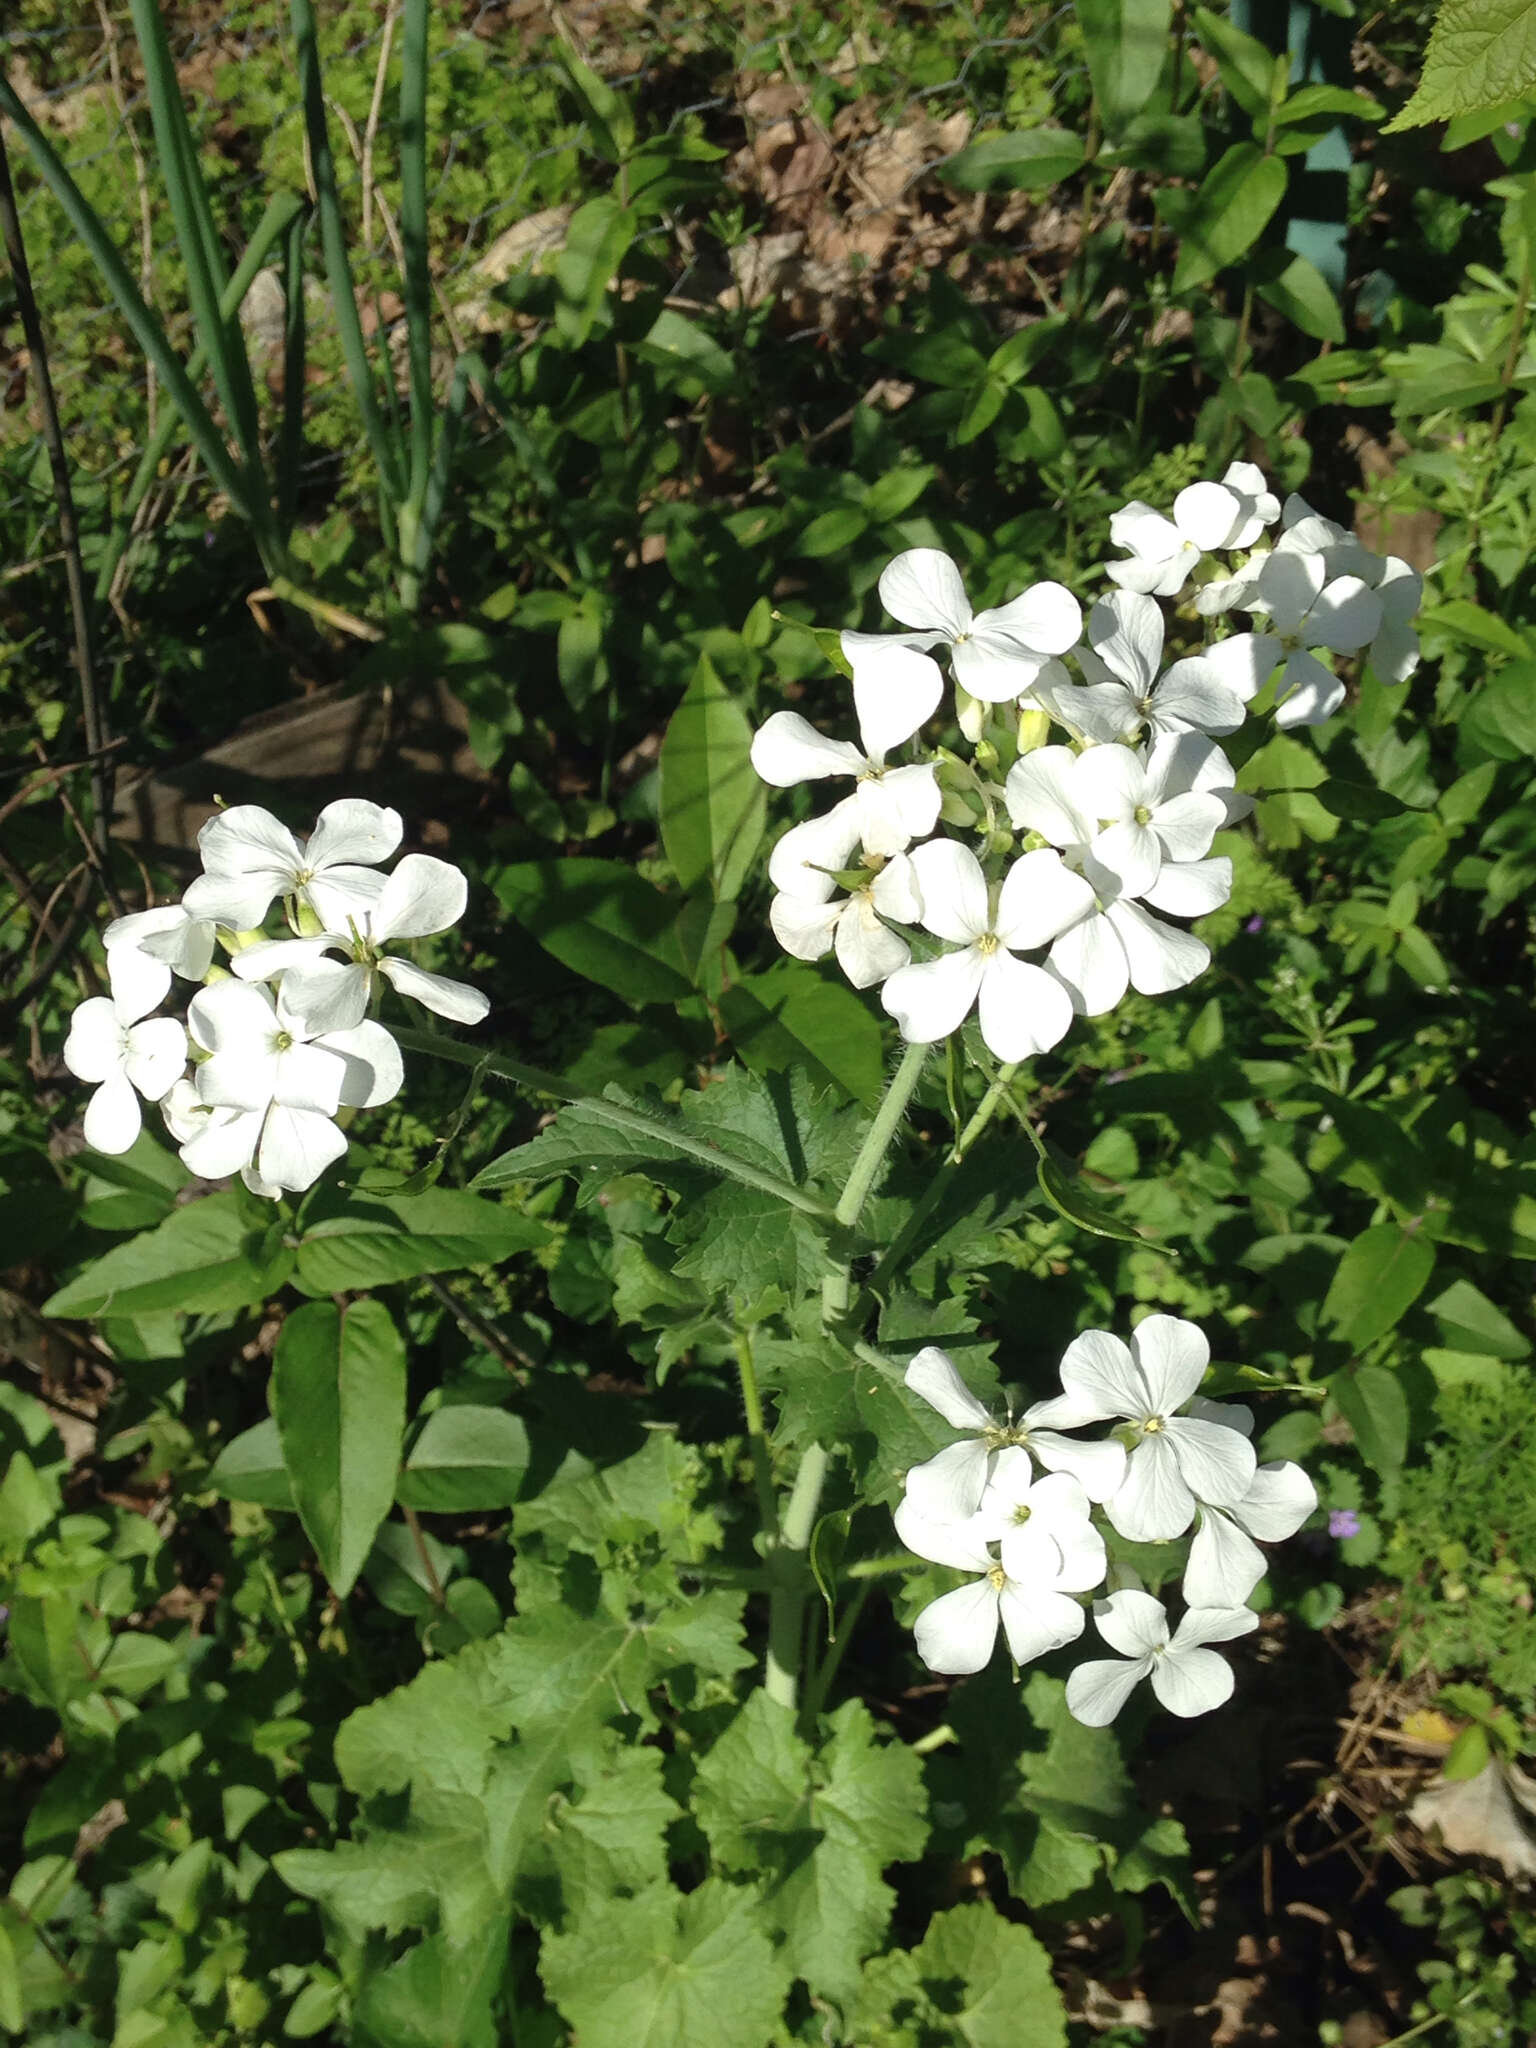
x=1492 y=1815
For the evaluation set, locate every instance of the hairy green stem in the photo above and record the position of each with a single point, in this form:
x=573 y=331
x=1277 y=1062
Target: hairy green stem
x=786 y=1603
x=836 y=1288
x=757 y=1437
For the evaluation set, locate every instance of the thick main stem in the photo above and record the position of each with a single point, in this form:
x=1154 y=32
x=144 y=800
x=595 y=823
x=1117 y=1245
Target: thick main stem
x=786 y=1603
x=836 y=1288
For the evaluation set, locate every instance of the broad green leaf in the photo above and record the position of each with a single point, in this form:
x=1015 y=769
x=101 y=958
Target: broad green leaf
x=1357 y=801
x=204 y=1257
x=713 y=804
x=250 y=1467
x=596 y=243
x=1372 y=1402
x=609 y=114
x=832 y=530
x=604 y=922
x=611 y=1836
x=1067 y=1196
x=1481 y=53
x=1225 y=217
x=1030 y=161
x=1172 y=145
x=791 y=1018
x=1468 y=622
x=338 y=1397
x=435 y=1993
x=687 y=348
x=465 y=1458
x=1126 y=44
x=1470 y=1322
x=380 y=1238
x=1309 y=102
x=1247 y=66
x=1378 y=1280
x=1299 y=290
x=977 y=1980
x=13 y=2010
x=666 y=1971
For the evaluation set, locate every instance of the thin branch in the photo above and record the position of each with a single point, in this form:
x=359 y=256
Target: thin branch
x=92 y=706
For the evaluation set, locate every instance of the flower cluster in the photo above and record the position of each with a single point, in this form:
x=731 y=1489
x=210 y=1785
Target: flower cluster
x=1076 y=852
x=1035 y=1538
x=280 y=1042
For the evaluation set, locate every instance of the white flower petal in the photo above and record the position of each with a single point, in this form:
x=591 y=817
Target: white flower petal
x=1041 y=897
x=923 y=588
x=97 y=1041
x=1192 y=1683
x=1307 y=693
x=1224 y=1566
x=112 y=1117
x=156 y=1056
x=1185 y=825
x=1277 y=1502
x=1192 y=697
x=341 y=896
x=960 y=1542
x=270 y=957
x=1096 y=1691
x=805 y=929
x=993 y=669
x=895 y=690
x=913 y=797
x=1044 y=619
x=138 y=980
x=1154 y=1504
x=1172 y=1356
x=866 y=951
x=948 y=1488
x=1042 y=796
x=895 y=893
x=953 y=890
x=297 y=1145
x=1394 y=653
x=1287 y=587
x=308 y=1078
x=1100 y=1381
x=233 y=1016
x=1022 y=1010
x=1213 y=1625
x=247 y=840
x=1191 y=888
x=1099 y=1468
x=1101 y=712
x=329 y=995
x=353 y=829
x=238 y=902
x=1037 y=1622
x=455 y=1000
x=1216 y=1464
x=423 y=896
x=1111 y=783
x=1132 y=1622
x=1132 y=853
x=1207 y=514
x=1346 y=616
x=806 y=859
x=1092 y=962
x=933 y=1377
x=1160 y=956
x=931 y=998
x=956 y=1632
x=372 y=1070
x=788 y=749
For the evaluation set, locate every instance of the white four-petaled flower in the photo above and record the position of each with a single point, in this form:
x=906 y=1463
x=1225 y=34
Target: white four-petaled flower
x=127 y=1054
x=1187 y=1677
x=996 y=655
x=810 y=919
x=949 y=1486
x=1206 y=516
x=250 y=857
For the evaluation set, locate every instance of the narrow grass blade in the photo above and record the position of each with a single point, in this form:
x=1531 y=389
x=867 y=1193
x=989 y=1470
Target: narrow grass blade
x=387 y=452
x=147 y=330
x=290 y=446
x=417 y=282
x=222 y=340
x=285 y=214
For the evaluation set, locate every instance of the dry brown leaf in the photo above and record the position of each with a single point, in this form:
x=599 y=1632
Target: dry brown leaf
x=1493 y=1815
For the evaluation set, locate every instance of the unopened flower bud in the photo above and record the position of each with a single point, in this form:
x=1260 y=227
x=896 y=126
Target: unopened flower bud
x=1034 y=728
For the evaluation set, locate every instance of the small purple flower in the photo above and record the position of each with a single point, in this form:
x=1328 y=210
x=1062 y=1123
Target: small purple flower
x=1343 y=1522
x=1254 y=924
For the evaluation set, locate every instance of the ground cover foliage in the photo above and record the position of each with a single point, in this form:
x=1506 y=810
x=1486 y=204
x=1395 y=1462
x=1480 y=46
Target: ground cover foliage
x=420 y=1626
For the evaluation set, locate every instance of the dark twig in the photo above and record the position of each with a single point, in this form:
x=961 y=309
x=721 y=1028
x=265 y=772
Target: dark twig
x=93 y=710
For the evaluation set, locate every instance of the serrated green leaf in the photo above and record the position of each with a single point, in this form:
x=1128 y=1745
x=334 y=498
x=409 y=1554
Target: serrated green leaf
x=713 y=802
x=1481 y=53
x=611 y=1837
x=338 y=1398
x=664 y=1971
x=434 y=1994
x=204 y=1257
x=976 y=1980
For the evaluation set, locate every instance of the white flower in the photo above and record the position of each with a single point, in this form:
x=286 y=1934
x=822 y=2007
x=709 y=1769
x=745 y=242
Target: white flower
x=422 y=897
x=895 y=690
x=1307 y=609
x=1224 y=1565
x=250 y=857
x=1202 y=693
x=995 y=655
x=1177 y=1461
x=1101 y=939
x=1048 y=1549
x=949 y=1487
x=268 y=1062
x=1164 y=550
x=1023 y=1010
x=145 y=946
x=1394 y=653
x=809 y=921
x=126 y=1057
x=1153 y=811
x=212 y=1142
x=1187 y=1678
